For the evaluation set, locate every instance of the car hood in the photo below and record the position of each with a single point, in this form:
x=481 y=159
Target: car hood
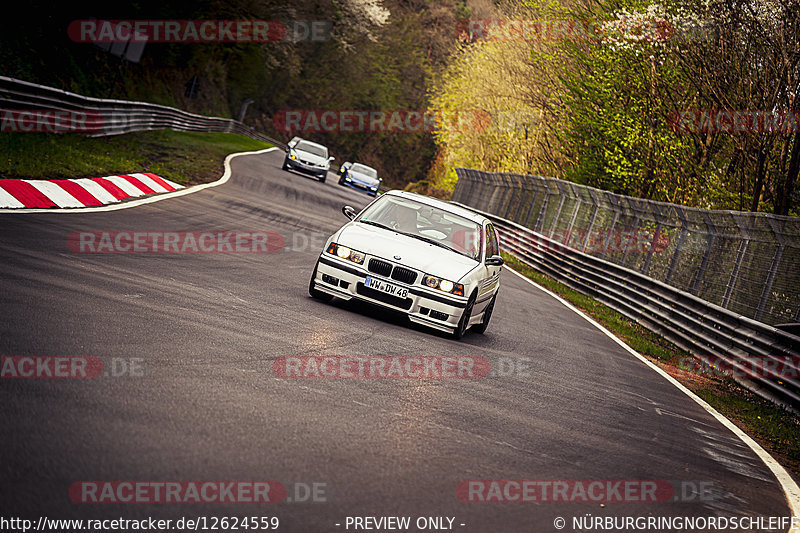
x=362 y=178
x=414 y=253
x=311 y=158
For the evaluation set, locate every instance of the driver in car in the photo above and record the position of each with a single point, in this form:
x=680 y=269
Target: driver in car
x=406 y=220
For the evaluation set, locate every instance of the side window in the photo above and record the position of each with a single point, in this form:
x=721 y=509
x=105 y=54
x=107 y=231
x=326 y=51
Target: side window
x=492 y=248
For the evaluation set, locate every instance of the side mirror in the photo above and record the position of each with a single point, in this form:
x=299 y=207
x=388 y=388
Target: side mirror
x=495 y=260
x=349 y=212
x=331 y=158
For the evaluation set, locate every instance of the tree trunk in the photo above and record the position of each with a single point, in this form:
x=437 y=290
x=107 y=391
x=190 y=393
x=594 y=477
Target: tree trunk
x=786 y=187
x=759 y=184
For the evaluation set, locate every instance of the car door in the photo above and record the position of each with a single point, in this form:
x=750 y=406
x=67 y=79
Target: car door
x=490 y=281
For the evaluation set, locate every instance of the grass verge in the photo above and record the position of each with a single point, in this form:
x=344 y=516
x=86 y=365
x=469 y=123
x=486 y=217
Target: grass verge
x=187 y=158
x=774 y=428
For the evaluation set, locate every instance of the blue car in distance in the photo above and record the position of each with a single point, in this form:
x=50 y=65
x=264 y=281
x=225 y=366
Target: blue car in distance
x=360 y=177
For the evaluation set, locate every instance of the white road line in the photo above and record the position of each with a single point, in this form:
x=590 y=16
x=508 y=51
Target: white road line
x=59 y=196
x=790 y=489
x=96 y=190
x=125 y=185
x=151 y=199
x=8 y=200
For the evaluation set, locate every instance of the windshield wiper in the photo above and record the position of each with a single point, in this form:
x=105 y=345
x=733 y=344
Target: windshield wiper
x=377 y=224
x=432 y=241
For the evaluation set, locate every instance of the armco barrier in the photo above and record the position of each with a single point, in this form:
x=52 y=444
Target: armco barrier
x=98 y=117
x=763 y=358
x=744 y=262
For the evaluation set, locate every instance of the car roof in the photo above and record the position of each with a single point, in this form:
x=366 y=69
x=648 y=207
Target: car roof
x=441 y=204
x=311 y=143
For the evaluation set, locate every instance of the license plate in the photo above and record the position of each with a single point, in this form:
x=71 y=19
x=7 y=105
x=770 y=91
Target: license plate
x=383 y=286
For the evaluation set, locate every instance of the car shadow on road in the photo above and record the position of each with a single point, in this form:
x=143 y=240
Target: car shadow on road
x=396 y=318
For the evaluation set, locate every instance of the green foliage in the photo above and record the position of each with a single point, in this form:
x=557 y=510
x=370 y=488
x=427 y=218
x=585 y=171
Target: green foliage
x=183 y=157
x=369 y=63
x=604 y=100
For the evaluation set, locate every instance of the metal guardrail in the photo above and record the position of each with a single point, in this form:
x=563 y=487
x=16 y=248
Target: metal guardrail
x=744 y=262
x=763 y=358
x=98 y=117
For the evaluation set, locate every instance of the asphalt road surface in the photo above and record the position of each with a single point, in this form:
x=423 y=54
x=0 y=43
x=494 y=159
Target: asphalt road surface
x=194 y=337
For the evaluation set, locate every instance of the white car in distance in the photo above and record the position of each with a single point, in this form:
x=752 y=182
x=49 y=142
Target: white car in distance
x=307 y=157
x=434 y=261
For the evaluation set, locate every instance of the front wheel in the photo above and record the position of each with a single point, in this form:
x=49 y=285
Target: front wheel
x=322 y=178
x=317 y=294
x=463 y=323
x=487 y=315
x=285 y=164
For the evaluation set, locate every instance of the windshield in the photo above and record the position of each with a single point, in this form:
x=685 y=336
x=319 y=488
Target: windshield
x=363 y=169
x=426 y=223
x=312 y=149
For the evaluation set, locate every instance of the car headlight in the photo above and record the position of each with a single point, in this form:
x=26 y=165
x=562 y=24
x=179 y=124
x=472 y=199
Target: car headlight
x=346 y=253
x=292 y=155
x=347 y=178
x=443 y=285
x=374 y=188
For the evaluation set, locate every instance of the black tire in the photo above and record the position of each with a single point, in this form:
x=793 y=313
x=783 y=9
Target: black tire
x=461 y=328
x=322 y=178
x=317 y=294
x=341 y=180
x=487 y=315
x=285 y=164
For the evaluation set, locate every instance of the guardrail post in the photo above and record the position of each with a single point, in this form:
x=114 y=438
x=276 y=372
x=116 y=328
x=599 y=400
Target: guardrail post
x=530 y=209
x=711 y=239
x=659 y=216
x=646 y=265
x=558 y=212
x=776 y=259
x=678 y=247
x=609 y=233
x=521 y=198
x=595 y=209
x=511 y=195
x=543 y=210
x=578 y=203
x=734 y=277
x=624 y=259
x=537 y=185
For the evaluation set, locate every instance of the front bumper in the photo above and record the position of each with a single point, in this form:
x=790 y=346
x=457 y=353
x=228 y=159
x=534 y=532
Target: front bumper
x=360 y=187
x=345 y=280
x=296 y=164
